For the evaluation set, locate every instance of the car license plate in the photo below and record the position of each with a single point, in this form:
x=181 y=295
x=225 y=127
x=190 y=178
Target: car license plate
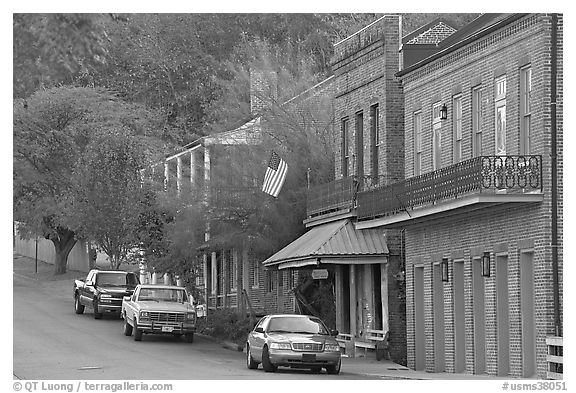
x=167 y=329
x=308 y=357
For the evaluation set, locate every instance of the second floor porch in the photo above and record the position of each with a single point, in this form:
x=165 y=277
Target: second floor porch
x=470 y=184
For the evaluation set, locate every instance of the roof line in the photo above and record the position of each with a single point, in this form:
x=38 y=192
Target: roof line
x=459 y=44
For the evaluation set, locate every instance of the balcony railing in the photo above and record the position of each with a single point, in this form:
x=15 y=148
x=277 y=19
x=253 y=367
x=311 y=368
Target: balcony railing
x=485 y=174
x=339 y=194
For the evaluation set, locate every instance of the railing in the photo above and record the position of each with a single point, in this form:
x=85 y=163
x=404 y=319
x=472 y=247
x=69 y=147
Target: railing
x=495 y=174
x=339 y=194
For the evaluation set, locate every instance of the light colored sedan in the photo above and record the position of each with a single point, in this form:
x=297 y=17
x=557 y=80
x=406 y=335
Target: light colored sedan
x=290 y=340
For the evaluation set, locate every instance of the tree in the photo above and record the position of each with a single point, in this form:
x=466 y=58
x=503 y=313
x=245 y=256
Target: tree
x=51 y=49
x=108 y=193
x=52 y=130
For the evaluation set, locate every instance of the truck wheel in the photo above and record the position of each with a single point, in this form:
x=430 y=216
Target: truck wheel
x=78 y=308
x=97 y=315
x=189 y=337
x=137 y=334
x=127 y=328
x=268 y=367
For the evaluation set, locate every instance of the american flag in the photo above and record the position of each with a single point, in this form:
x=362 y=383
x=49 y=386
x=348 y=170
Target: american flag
x=275 y=175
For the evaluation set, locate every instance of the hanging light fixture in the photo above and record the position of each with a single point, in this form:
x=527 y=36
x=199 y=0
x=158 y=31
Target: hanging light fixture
x=444 y=112
x=486 y=264
x=444 y=266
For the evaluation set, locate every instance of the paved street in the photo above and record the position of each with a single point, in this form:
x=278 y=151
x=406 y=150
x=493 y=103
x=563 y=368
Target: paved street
x=52 y=342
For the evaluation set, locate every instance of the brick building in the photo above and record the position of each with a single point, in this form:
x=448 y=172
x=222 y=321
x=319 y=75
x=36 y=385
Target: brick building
x=482 y=199
x=365 y=267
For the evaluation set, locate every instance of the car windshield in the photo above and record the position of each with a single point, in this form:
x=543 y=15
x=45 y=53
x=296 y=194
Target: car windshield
x=163 y=295
x=304 y=325
x=115 y=279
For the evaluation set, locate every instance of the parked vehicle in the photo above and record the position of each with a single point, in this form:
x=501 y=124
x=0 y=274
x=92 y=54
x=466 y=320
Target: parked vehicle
x=103 y=290
x=290 y=340
x=159 y=309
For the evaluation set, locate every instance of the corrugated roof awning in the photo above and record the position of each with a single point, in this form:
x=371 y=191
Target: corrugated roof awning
x=336 y=242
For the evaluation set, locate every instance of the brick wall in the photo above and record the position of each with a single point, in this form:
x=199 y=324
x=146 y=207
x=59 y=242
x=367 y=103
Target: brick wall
x=364 y=66
x=525 y=41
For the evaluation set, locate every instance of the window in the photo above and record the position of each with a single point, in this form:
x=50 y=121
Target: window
x=360 y=145
x=436 y=137
x=417 y=143
x=477 y=121
x=345 y=146
x=290 y=278
x=457 y=126
x=500 y=103
x=255 y=274
x=270 y=280
x=375 y=140
x=525 y=110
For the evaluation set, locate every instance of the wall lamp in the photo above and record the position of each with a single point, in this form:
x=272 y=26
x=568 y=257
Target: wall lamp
x=443 y=112
x=444 y=266
x=486 y=264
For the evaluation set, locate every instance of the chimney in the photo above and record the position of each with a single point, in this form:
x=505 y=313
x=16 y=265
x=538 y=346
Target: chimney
x=263 y=90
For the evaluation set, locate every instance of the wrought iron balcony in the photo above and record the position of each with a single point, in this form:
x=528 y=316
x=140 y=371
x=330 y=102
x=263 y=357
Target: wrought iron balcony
x=339 y=195
x=494 y=175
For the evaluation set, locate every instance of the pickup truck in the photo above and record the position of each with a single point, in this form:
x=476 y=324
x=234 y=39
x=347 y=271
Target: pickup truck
x=103 y=290
x=159 y=309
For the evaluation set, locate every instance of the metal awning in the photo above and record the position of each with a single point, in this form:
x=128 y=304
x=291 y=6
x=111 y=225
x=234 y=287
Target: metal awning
x=336 y=242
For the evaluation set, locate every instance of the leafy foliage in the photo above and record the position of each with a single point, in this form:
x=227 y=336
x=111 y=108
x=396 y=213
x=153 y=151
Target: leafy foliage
x=226 y=324
x=107 y=200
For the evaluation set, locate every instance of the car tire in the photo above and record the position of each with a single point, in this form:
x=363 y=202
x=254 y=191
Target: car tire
x=334 y=369
x=250 y=362
x=78 y=308
x=266 y=364
x=189 y=337
x=137 y=334
x=127 y=328
x=97 y=315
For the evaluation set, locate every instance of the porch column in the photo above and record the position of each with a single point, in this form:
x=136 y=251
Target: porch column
x=206 y=173
x=239 y=303
x=339 y=298
x=226 y=279
x=178 y=175
x=192 y=170
x=206 y=280
x=384 y=295
x=353 y=306
x=368 y=298
x=214 y=273
x=166 y=174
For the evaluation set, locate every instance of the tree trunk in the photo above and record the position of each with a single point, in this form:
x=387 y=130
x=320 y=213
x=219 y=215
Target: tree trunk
x=63 y=244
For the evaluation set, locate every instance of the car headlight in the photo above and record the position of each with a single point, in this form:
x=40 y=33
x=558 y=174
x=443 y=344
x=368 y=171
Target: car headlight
x=190 y=316
x=280 y=346
x=331 y=348
x=144 y=314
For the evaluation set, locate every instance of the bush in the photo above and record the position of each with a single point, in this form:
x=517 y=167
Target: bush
x=225 y=324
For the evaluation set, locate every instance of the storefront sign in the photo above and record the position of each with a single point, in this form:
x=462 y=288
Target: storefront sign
x=320 y=274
